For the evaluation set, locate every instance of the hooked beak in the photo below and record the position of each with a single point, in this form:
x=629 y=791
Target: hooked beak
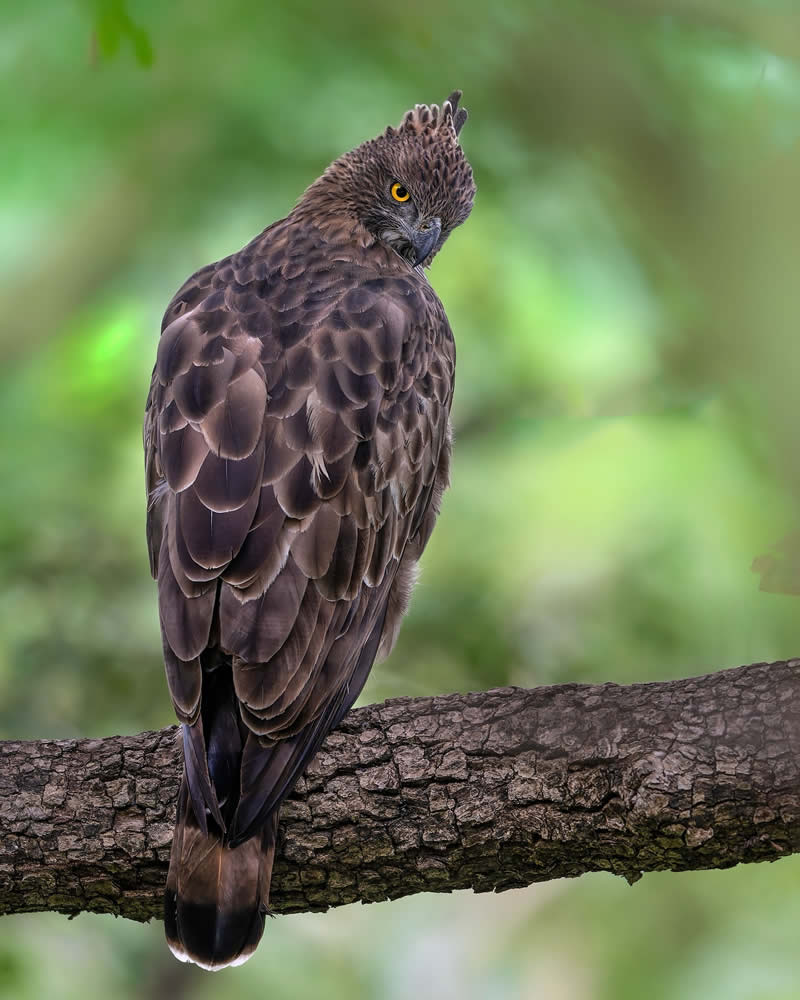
x=423 y=238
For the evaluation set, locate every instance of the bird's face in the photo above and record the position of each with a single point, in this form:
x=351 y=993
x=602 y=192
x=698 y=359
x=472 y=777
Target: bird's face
x=398 y=222
x=410 y=187
x=417 y=186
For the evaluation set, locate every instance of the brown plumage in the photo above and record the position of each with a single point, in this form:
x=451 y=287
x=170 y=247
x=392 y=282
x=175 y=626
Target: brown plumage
x=297 y=446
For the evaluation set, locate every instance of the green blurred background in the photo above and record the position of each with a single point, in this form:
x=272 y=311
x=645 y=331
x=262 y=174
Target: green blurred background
x=625 y=300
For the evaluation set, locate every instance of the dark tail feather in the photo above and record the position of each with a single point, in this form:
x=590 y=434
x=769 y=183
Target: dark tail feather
x=217 y=896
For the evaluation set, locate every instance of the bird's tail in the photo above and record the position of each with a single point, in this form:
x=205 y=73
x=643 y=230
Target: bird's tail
x=217 y=895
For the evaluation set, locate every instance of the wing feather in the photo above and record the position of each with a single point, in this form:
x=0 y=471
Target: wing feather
x=292 y=436
x=255 y=630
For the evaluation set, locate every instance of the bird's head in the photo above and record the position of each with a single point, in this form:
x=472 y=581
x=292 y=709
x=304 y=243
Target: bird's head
x=409 y=187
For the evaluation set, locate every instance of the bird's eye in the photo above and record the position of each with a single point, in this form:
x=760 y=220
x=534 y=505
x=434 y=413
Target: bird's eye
x=399 y=193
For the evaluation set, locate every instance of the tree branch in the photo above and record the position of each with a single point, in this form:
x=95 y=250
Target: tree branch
x=489 y=790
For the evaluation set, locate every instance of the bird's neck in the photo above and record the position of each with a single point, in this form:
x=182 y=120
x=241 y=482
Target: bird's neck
x=335 y=224
x=343 y=235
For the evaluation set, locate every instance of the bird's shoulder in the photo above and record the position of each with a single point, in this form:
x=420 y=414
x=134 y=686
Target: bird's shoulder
x=295 y=264
x=292 y=304
x=299 y=363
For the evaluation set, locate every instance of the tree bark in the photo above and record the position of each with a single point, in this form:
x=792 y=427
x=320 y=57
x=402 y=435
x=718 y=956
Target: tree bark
x=490 y=791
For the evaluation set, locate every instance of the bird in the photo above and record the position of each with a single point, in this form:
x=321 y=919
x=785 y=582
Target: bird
x=297 y=446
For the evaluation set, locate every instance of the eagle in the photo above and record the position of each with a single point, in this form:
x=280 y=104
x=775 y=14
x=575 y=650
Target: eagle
x=297 y=445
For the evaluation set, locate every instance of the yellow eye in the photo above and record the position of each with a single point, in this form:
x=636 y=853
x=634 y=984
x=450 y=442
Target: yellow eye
x=399 y=193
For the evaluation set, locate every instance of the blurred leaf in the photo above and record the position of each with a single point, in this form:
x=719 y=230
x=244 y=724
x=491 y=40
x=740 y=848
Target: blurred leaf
x=113 y=25
x=780 y=567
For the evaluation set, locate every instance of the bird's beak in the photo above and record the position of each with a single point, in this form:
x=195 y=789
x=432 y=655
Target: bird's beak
x=424 y=238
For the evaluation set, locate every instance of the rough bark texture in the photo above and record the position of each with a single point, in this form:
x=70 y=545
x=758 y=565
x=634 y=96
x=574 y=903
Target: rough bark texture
x=489 y=790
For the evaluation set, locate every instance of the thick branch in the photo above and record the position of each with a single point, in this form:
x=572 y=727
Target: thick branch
x=488 y=790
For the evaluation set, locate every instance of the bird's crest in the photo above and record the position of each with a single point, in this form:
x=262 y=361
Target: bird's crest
x=432 y=118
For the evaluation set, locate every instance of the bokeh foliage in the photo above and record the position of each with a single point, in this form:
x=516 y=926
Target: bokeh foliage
x=625 y=302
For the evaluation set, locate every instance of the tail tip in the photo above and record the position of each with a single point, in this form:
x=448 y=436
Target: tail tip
x=209 y=938
x=177 y=950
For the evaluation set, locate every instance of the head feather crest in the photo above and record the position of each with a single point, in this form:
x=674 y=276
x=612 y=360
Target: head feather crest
x=423 y=153
x=432 y=118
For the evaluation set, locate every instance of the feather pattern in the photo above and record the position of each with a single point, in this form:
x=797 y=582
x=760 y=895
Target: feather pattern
x=296 y=451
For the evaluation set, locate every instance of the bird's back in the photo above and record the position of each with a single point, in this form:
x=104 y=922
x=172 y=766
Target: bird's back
x=297 y=448
x=300 y=403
